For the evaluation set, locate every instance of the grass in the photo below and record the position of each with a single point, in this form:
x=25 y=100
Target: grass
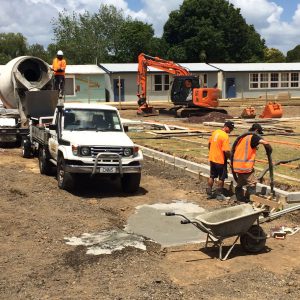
x=195 y=149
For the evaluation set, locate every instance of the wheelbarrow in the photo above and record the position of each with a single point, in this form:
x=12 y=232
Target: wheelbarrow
x=229 y=222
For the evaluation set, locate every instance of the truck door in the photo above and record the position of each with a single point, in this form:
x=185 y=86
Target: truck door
x=53 y=142
x=119 y=88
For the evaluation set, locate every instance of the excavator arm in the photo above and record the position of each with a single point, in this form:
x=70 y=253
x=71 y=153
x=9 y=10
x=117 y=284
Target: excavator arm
x=186 y=94
x=145 y=61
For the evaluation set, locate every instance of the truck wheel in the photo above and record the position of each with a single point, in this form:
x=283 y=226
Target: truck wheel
x=131 y=182
x=26 y=148
x=65 y=179
x=251 y=244
x=44 y=163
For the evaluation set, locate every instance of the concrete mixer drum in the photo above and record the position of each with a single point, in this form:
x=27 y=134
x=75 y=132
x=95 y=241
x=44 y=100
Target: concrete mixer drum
x=26 y=84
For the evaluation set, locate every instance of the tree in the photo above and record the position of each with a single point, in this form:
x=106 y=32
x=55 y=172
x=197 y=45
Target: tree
x=273 y=55
x=106 y=36
x=11 y=45
x=293 y=55
x=135 y=37
x=211 y=30
x=73 y=36
x=38 y=50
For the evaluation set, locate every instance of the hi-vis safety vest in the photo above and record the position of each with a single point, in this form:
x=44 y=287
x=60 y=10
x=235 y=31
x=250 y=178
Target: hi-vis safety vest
x=59 y=64
x=244 y=156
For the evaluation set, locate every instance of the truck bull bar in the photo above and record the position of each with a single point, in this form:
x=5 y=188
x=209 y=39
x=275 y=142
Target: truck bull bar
x=95 y=169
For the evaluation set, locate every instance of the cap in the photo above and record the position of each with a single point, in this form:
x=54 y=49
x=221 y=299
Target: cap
x=229 y=124
x=256 y=127
x=59 y=52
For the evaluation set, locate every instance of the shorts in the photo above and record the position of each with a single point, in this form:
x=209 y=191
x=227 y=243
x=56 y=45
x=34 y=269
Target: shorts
x=247 y=179
x=218 y=170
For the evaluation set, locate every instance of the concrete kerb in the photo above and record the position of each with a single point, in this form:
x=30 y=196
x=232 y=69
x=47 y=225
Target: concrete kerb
x=202 y=170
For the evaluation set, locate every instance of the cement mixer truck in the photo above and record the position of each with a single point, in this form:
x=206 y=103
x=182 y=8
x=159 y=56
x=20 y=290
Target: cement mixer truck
x=25 y=91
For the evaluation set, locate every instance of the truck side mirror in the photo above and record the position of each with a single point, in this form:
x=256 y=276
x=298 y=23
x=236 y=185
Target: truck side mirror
x=52 y=126
x=125 y=128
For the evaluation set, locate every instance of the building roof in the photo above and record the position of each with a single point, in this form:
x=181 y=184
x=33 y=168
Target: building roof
x=119 y=68
x=84 y=69
x=199 y=67
x=133 y=67
x=257 y=67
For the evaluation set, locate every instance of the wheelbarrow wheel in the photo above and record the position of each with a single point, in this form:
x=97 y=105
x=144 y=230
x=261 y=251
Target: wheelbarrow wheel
x=254 y=240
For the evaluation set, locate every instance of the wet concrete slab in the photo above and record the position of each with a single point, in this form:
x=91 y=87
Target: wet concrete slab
x=150 y=221
x=106 y=242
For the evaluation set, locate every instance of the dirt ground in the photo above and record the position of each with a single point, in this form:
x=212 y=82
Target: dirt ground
x=35 y=216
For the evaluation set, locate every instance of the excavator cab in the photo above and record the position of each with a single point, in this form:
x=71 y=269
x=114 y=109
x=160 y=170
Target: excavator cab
x=182 y=89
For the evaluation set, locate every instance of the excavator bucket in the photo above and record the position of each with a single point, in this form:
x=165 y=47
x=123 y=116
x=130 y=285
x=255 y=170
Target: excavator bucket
x=272 y=110
x=147 y=111
x=248 y=113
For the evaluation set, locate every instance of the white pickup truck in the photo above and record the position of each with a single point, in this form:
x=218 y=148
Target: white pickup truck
x=84 y=138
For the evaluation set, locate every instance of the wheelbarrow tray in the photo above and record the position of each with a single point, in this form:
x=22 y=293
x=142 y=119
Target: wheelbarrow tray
x=229 y=221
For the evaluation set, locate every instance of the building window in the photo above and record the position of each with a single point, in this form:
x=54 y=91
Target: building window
x=264 y=80
x=161 y=83
x=166 y=82
x=285 y=79
x=273 y=80
x=205 y=80
x=70 y=86
x=294 y=79
x=253 y=80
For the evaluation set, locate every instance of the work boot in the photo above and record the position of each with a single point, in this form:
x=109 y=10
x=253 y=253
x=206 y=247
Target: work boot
x=239 y=194
x=209 y=193
x=220 y=194
x=251 y=190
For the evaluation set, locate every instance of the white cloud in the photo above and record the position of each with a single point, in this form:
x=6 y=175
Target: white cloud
x=33 y=17
x=157 y=12
x=266 y=18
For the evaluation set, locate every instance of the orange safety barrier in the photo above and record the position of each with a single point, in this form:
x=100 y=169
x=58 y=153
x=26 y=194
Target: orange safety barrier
x=272 y=110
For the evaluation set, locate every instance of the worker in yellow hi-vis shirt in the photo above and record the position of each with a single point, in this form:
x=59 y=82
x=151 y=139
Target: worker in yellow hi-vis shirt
x=219 y=152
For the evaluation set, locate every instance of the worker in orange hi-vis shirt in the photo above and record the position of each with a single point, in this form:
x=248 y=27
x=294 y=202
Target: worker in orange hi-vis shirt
x=59 y=67
x=219 y=152
x=243 y=160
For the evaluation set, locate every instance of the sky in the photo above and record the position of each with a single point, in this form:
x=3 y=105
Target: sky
x=277 y=21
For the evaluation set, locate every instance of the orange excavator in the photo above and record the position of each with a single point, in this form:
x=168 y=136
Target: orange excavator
x=186 y=94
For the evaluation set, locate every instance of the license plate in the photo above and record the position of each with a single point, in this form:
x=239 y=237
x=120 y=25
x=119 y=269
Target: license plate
x=108 y=170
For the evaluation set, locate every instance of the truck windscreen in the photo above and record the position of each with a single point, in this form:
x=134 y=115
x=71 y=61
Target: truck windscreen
x=91 y=119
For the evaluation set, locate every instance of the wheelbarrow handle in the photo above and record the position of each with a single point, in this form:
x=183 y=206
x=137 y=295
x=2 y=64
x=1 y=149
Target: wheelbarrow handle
x=185 y=221
x=169 y=214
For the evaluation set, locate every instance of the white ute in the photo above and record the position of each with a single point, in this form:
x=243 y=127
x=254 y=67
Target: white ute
x=85 y=138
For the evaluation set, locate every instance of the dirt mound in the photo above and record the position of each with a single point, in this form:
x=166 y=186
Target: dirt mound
x=210 y=117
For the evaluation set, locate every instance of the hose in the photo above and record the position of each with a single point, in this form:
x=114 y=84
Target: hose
x=271 y=171
x=261 y=175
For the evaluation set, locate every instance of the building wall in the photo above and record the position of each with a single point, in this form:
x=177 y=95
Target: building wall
x=104 y=87
x=129 y=81
x=85 y=88
x=242 y=87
